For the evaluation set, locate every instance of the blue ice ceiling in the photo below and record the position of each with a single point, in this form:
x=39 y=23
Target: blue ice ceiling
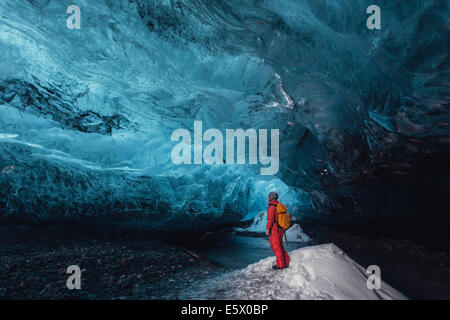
x=86 y=115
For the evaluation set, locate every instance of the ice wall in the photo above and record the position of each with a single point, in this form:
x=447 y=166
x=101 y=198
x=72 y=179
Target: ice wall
x=87 y=115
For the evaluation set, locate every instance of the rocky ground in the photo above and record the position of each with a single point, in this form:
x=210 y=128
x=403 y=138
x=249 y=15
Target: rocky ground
x=115 y=264
x=132 y=264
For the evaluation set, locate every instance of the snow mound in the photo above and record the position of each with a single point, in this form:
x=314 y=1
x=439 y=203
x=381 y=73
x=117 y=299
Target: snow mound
x=294 y=233
x=316 y=273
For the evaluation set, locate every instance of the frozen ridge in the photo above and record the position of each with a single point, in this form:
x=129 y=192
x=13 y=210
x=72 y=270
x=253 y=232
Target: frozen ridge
x=316 y=273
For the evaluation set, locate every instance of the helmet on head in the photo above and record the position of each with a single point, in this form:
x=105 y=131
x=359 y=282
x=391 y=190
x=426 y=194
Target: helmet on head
x=273 y=196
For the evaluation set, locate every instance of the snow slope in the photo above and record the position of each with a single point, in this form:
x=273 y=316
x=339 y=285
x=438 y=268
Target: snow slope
x=294 y=233
x=319 y=272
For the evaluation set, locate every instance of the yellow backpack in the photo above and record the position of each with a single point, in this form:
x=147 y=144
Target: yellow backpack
x=283 y=218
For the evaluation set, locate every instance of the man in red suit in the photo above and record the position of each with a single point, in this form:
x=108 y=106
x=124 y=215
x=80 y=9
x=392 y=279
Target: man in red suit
x=276 y=233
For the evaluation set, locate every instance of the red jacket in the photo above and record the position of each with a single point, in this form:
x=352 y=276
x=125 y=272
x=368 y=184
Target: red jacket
x=272 y=224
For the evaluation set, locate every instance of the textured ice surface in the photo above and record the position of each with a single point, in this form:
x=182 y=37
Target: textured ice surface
x=86 y=115
x=316 y=273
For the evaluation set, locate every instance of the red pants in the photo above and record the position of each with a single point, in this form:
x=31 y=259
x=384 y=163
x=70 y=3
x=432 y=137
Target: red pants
x=276 y=242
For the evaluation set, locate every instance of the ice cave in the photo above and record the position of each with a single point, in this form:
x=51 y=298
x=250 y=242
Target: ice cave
x=88 y=113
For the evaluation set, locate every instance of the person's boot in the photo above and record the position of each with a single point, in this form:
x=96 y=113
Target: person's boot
x=275 y=267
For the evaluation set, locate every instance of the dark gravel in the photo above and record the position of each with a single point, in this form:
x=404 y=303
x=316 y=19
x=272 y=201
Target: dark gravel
x=115 y=264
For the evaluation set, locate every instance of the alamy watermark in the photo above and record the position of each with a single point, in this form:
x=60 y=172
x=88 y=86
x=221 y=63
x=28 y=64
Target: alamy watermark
x=74 y=20
x=236 y=140
x=74 y=281
x=374 y=279
x=374 y=21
